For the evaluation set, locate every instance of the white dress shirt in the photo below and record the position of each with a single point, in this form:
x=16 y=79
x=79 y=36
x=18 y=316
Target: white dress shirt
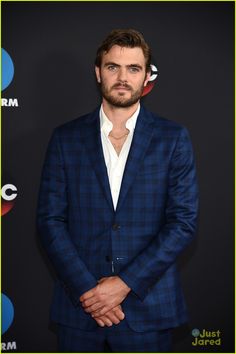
x=116 y=163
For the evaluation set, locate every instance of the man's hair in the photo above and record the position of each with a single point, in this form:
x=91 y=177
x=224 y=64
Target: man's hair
x=128 y=38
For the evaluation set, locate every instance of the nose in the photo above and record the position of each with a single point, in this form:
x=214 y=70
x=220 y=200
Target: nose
x=122 y=76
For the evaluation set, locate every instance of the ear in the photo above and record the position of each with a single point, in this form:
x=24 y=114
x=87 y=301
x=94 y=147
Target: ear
x=97 y=72
x=148 y=75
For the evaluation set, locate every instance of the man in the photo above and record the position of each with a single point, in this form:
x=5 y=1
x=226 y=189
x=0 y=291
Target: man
x=117 y=205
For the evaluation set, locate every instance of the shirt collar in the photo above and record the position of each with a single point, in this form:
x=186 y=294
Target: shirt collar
x=106 y=125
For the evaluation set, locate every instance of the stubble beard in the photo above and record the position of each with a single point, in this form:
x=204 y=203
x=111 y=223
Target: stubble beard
x=119 y=100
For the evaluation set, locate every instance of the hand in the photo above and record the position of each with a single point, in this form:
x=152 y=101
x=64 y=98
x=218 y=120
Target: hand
x=109 y=293
x=113 y=316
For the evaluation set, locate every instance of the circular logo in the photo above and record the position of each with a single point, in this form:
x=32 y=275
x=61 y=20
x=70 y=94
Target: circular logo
x=7 y=313
x=8 y=194
x=7 y=69
x=195 y=332
x=151 y=81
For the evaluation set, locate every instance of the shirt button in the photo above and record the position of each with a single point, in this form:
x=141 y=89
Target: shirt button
x=115 y=227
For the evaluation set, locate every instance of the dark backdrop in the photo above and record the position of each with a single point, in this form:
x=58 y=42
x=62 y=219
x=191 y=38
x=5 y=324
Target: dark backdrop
x=53 y=46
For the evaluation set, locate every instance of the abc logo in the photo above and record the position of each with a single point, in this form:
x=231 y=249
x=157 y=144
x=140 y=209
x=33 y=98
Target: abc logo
x=9 y=194
x=152 y=80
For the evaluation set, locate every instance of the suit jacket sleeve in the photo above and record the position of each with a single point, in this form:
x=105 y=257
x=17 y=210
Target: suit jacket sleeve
x=181 y=213
x=52 y=225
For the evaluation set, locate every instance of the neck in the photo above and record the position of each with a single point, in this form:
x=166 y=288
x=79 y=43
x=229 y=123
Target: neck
x=118 y=115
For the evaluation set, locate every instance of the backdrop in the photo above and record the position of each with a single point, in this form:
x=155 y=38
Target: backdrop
x=49 y=79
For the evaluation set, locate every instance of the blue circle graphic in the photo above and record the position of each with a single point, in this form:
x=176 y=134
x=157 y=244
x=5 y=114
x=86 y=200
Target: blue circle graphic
x=7 y=69
x=7 y=313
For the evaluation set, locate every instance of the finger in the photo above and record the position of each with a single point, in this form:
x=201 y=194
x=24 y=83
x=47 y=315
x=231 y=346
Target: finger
x=90 y=302
x=105 y=309
x=119 y=314
x=112 y=317
x=93 y=308
x=100 y=322
x=107 y=321
x=87 y=295
x=101 y=312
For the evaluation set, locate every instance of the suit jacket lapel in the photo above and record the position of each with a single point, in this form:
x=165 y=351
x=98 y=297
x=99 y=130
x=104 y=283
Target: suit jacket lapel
x=141 y=139
x=91 y=136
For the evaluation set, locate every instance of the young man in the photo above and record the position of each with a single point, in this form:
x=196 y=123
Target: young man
x=117 y=205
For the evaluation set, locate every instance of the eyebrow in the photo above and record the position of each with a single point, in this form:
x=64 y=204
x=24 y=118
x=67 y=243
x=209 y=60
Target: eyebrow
x=129 y=66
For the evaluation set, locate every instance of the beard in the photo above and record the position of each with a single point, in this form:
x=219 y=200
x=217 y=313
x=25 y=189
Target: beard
x=119 y=100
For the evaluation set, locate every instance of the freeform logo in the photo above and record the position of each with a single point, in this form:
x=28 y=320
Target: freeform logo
x=9 y=194
x=9 y=102
x=8 y=346
x=7 y=69
x=7 y=313
x=7 y=77
x=152 y=80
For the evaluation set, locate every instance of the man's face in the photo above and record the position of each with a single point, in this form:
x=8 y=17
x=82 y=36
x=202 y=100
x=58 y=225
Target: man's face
x=122 y=76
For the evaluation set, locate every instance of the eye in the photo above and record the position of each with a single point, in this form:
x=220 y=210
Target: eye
x=112 y=68
x=134 y=69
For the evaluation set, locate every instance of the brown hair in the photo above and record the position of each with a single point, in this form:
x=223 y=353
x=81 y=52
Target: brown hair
x=128 y=38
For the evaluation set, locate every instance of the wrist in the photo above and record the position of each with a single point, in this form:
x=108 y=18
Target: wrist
x=125 y=287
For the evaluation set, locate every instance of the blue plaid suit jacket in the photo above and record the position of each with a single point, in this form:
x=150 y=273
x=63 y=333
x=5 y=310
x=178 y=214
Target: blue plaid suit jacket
x=154 y=221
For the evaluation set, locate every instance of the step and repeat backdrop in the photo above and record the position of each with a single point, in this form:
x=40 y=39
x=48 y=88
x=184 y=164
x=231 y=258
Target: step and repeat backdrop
x=48 y=51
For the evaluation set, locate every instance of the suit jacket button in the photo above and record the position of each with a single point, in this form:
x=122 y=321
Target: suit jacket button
x=108 y=258
x=115 y=227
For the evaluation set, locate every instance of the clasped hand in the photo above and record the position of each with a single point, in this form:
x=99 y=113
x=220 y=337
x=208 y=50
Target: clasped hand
x=103 y=301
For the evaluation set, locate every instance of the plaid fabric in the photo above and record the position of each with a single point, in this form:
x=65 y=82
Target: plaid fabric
x=118 y=338
x=154 y=221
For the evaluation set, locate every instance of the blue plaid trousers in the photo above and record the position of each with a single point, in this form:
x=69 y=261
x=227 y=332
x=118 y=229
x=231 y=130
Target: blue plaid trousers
x=117 y=338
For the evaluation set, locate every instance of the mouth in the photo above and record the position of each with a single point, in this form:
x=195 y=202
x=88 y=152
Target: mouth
x=122 y=88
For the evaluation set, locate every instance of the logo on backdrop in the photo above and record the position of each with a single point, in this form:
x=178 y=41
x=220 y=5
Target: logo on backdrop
x=206 y=338
x=152 y=80
x=7 y=69
x=7 y=319
x=9 y=194
x=7 y=313
x=7 y=77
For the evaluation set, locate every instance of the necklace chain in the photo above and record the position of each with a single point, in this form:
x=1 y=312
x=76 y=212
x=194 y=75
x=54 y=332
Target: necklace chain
x=118 y=138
